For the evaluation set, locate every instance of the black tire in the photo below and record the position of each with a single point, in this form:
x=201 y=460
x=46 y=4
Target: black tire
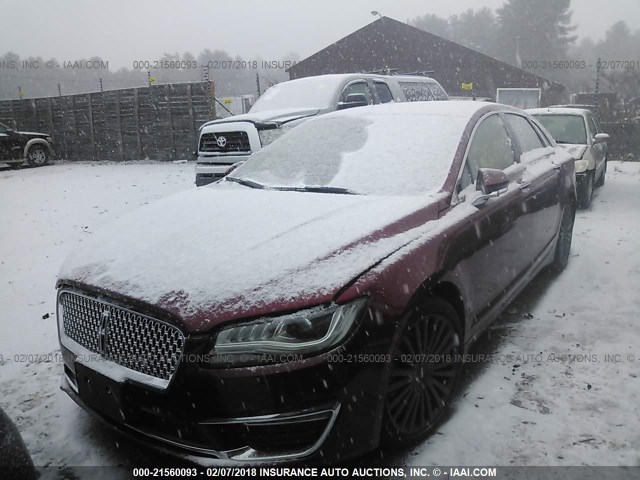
x=37 y=156
x=601 y=178
x=565 y=236
x=15 y=461
x=420 y=384
x=585 y=192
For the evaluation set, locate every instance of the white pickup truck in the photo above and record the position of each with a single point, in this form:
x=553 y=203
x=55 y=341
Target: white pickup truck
x=224 y=142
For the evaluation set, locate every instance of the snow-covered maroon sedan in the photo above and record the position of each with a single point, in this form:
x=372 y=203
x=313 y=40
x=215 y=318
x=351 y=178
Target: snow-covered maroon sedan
x=313 y=305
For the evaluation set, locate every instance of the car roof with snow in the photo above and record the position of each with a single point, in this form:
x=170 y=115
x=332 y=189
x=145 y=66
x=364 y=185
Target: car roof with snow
x=444 y=108
x=558 y=111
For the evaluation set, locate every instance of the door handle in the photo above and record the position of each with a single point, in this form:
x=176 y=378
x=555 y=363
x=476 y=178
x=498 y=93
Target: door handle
x=507 y=222
x=525 y=186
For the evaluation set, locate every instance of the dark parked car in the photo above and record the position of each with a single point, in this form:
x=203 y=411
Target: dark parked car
x=16 y=148
x=323 y=314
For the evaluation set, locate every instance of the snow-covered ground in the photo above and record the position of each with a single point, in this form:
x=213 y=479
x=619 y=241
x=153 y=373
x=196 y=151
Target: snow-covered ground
x=539 y=390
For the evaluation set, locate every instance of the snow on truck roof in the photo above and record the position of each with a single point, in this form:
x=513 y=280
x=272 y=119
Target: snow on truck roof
x=316 y=91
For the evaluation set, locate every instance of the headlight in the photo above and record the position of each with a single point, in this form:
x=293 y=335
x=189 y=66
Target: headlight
x=581 y=165
x=269 y=135
x=269 y=340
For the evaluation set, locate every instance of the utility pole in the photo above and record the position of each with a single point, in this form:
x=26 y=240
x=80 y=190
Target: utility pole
x=59 y=90
x=598 y=68
x=101 y=85
x=258 y=83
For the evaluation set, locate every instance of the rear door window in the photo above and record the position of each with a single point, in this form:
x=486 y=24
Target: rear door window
x=524 y=132
x=358 y=87
x=383 y=91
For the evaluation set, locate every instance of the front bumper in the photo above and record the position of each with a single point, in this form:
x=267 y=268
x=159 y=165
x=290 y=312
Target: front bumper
x=212 y=169
x=581 y=179
x=317 y=424
x=321 y=412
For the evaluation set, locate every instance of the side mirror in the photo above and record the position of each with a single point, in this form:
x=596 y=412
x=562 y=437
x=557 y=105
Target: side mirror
x=601 y=138
x=354 y=100
x=491 y=180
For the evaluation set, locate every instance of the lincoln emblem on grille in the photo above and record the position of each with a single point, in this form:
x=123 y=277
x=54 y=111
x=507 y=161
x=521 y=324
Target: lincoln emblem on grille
x=221 y=141
x=102 y=331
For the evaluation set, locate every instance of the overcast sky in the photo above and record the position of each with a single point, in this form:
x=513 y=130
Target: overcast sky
x=121 y=31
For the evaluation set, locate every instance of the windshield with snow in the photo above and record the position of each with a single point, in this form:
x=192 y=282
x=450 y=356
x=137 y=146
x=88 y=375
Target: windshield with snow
x=388 y=154
x=565 y=128
x=305 y=93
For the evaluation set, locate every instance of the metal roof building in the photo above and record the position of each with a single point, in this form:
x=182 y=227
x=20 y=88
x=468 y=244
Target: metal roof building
x=389 y=44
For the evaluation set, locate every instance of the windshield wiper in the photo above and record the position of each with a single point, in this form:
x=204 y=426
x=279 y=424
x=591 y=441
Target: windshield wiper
x=318 y=189
x=246 y=183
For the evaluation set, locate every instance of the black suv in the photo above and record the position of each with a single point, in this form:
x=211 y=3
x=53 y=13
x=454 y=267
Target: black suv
x=18 y=147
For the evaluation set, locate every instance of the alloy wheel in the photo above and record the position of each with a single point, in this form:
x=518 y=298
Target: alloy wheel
x=423 y=374
x=37 y=156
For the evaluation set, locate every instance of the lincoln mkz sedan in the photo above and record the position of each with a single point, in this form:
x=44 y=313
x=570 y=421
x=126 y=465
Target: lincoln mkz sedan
x=315 y=304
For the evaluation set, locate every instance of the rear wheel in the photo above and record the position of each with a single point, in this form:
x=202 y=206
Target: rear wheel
x=424 y=371
x=585 y=191
x=565 y=236
x=37 y=156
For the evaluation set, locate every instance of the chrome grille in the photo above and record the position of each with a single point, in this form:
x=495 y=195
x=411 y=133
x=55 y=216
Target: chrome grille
x=127 y=338
x=234 y=142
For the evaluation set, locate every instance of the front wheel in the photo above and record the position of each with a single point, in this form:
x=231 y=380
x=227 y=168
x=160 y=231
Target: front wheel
x=585 y=190
x=424 y=371
x=37 y=156
x=565 y=236
x=602 y=178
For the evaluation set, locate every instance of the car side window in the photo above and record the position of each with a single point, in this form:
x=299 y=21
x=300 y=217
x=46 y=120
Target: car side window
x=360 y=87
x=524 y=132
x=437 y=91
x=546 y=139
x=416 y=91
x=597 y=122
x=383 y=91
x=592 y=126
x=490 y=148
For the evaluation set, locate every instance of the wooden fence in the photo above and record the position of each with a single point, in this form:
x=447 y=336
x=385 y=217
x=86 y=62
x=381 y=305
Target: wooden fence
x=159 y=122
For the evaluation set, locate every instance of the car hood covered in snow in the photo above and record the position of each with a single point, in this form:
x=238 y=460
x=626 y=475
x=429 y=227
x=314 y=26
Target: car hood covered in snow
x=575 y=150
x=227 y=251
